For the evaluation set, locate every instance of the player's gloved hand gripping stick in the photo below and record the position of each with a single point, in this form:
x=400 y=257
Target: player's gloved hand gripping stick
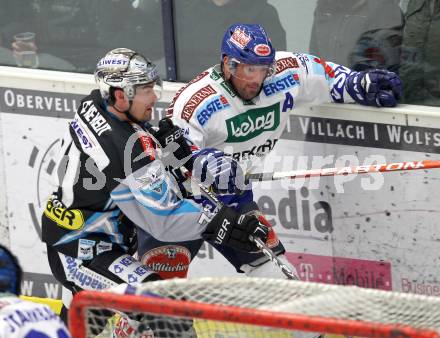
x=255 y=239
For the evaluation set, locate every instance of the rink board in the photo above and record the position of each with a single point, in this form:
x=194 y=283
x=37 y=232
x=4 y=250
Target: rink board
x=379 y=232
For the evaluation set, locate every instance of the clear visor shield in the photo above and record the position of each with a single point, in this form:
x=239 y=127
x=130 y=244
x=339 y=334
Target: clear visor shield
x=152 y=88
x=149 y=92
x=251 y=73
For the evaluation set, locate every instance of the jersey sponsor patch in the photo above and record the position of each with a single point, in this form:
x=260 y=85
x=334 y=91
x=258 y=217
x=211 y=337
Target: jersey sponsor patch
x=195 y=100
x=252 y=123
x=281 y=83
x=85 y=249
x=258 y=151
x=70 y=219
x=103 y=247
x=170 y=109
x=304 y=59
x=93 y=117
x=85 y=278
x=146 y=141
x=211 y=106
x=129 y=269
x=168 y=261
x=81 y=133
x=286 y=63
x=215 y=75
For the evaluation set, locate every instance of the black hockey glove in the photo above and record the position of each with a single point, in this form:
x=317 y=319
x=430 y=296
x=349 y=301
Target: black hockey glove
x=230 y=228
x=170 y=138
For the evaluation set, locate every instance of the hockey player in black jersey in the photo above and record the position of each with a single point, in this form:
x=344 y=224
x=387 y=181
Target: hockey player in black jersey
x=110 y=181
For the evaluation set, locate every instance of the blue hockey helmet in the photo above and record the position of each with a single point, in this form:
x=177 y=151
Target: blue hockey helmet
x=249 y=44
x=10 y=272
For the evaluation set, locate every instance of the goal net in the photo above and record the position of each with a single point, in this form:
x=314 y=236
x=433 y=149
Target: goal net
x=255 y=307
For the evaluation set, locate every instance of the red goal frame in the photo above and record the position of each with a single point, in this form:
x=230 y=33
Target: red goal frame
x=164 y=306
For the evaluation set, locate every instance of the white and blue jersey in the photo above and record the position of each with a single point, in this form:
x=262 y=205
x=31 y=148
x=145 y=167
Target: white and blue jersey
x=23 y=319
x=213 y=115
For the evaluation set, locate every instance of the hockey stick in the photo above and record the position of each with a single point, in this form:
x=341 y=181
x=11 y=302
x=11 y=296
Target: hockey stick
x=360 y=169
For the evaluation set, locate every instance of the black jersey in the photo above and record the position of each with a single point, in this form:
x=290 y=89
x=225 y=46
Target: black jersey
x=108 y=170
x=87 y=222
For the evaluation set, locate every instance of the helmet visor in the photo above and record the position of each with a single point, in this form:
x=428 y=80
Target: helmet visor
x=251 y=73
x=151 y=88
x=158 y=87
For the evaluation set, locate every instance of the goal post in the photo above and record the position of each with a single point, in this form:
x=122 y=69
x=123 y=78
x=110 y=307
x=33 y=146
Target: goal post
x=255 y=307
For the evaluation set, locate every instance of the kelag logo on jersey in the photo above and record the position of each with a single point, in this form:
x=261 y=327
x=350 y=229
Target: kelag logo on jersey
x=281 y=83
x=212 y=106
x=252 y=123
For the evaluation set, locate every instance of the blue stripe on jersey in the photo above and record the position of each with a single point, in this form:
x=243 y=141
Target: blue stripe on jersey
x=121 y=192
x=103 y=222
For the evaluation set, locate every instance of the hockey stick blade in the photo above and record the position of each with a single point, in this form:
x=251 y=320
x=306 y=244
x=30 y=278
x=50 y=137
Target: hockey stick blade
x=353 y=170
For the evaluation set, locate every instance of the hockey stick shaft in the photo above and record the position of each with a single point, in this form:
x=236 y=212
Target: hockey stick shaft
x=352 y=170
x=273 y=258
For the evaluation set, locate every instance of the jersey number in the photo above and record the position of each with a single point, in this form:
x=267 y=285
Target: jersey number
x=288 y=102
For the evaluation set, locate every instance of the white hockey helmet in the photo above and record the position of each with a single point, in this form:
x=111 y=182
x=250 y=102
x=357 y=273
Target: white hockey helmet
x=124 y=68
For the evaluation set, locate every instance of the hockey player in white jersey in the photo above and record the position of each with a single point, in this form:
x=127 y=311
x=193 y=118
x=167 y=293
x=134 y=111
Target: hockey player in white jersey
x=237 y=110
x=20 y=318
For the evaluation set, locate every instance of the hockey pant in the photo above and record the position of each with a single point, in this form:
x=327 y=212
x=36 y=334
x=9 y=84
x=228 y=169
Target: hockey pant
x=103 y=271
x=172 y=259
